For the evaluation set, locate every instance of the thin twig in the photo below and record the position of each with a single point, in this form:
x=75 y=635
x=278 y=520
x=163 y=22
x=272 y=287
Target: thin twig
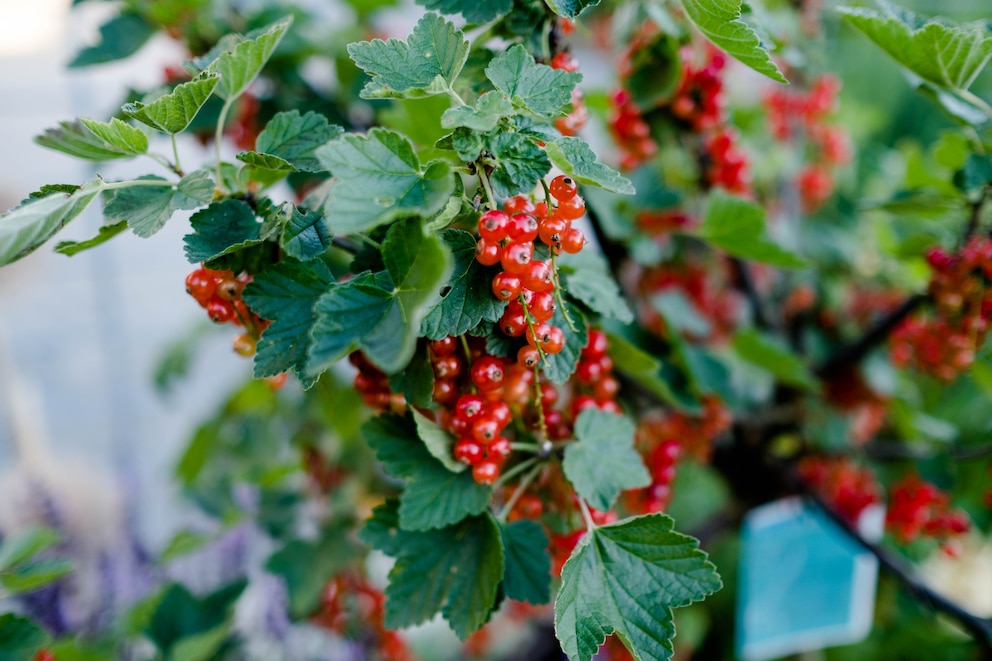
x=976 y=213
x=747 y=286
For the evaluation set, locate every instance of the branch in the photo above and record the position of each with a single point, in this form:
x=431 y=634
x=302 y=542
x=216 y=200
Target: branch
x=851 y=354
x=979 y=628
x=976 y=213
x=747 y=286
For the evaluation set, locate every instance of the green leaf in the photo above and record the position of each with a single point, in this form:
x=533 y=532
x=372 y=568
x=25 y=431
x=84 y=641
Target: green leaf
x=679 y=312
x=720 y=21
x=488 y=110
x=306 y=234
x=455 y=570
x=104 y=234
x=306 y=567
x=26 y=227
x=76 y=139
x=173 y=112
x=221 y=229
x=603 y=462
x=416 y=381
x=20 y=638
x=433 y=496
x=147 y=208
x=201 y=646
x=120 y=37
x=180 y=615
x=382 y=529
x=534 y=87
x=378 y=179
x=285 y=294
x=119 y=135
x=262 y=161
x=474 y=12
x=770 y=355
x=467 y=301
x=587 y=279
x=294 y=138
x=527 y=571
x=30 y=576
x=655 y=71
x=437 y=441
x=240 y=66
x=18 y=548
x=344 y=314
x=570 y=8
x=520 y=164
x=558 y=367
x=643 y=368
x=576 y=159
x=625 y=578
x=945 y=54
x=426 y=63
x=737 y=226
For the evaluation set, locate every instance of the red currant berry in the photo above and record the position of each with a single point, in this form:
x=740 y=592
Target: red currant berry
x=538 y=277
x=486 y=428
x=588 y=372
x=581 y=403
x=554 y=341
x=538 y=334
x=565 y=62
x=506 y=286
x=606 y=389
x=487 y=373
x=499 y=449
x=516 y=256
x=493 y=225
x=220 y=311
x=468 y=451
x=445 y=391
x=513 y=324
x=518 y=204
x=571 y=208
x=542 y=306
x=563 y=187
x=447 y=367
x=445 y=346
x=469 y=407
x=501 y=412
x=488 y=252
x=528 y=356
x=553 y=229
x=486 y=472
x=244 y=345
x=200 y=285
x=596 y=344
x=549 y=395
x=522 y=227
x=229 y=289
x=573 y=241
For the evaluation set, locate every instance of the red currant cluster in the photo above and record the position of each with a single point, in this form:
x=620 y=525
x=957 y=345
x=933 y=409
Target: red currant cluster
x=372 y=385
x=507 y=238
x=571 y=123
x=352 y=607
x=699 y=101
x=918 y=508
x=794 y=112
x=631 y=131
x=945 y=346
x=849 y=392
x=661 y=463
x=595 y=387
x=724 y=163
x=219 y=293
x=843 y=485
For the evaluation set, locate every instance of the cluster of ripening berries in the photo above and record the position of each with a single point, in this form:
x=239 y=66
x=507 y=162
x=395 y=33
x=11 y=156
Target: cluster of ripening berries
x=945 y=345
x=919 y=509
x=219 y=293
x=579 y=115
x=848 y=488
x=507 y=237
x=793 y=113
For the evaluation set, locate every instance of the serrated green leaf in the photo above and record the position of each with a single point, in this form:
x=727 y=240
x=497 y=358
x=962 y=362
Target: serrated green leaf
x=720 y=21
x=587 y=279
x=220 y=229
x=20 y=638
x=433 y=496
x=426 y=63
x=120 y=37
x=378 y=179
x=488 y=110
x=285 y=294
x=467 y=300
x=772 y=356
x=474 y=12
x=343 y=315
x=265 y=161
x=519 y=164
x=151 y=201
x=737 y=226
x=437 y=441
x=570 y=8
x=625 y=578
x=535 y=87
x=180 y=615
x=947 y=55
x=602 y=461
x=119 y=135
x=173 y=112
x=104 y=234
x=306 y=234
x=454 y=570
x=25 y=228
x=576 y=159
x=240 y=66
x=294 y=138
x=558 y=367
x=527 y=570
x=75 y=139
x=416 y=381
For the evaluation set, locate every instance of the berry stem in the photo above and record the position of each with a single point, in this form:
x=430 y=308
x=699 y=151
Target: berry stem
x=218 y=136
x=516 y=470
x=525 y=481
x=534 y=448
x=559 y=297
x=586 y=515
x=547 y=195
x=486 y=186
x=541 y=422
